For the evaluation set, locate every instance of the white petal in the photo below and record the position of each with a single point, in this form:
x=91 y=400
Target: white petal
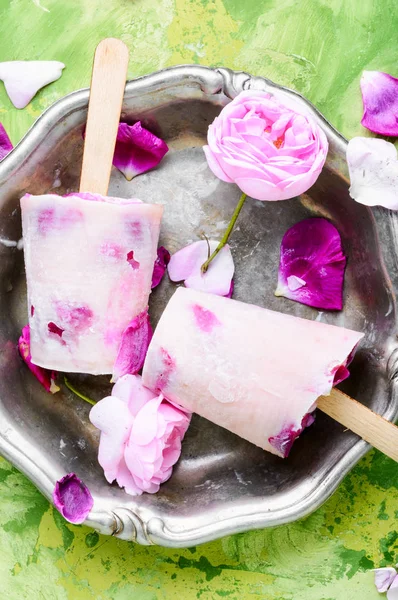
x=392 y=593
x=384 y=578
x=186 y=264
x=24 y=78
x=373 y=168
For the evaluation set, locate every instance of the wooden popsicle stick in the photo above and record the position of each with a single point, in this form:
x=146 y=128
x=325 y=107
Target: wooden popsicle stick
x=372 y=428
x=106 y=96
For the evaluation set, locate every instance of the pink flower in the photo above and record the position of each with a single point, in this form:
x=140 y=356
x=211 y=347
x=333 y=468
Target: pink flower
x=44 y=376
x=24 y=78
x=185 y=265
x=141 y=436
x=312 y=264
x=272 y=149
x=72 y=498
x=380 y=102
x=137 y=150
x=5 y=143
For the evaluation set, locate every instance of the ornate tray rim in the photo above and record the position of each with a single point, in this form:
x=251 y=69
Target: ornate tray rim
x=123 y=522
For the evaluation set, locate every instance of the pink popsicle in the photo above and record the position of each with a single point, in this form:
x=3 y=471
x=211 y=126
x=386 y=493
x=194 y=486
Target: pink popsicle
x=253 y=371
x=89 y=262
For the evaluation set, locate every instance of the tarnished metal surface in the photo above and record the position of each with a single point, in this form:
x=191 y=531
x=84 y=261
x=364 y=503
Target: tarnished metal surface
x=222 y=484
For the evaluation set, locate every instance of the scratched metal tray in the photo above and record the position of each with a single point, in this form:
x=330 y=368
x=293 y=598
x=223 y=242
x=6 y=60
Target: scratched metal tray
x=222 y=484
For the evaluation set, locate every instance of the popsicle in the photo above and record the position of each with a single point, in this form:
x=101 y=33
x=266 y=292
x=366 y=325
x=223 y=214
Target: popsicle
x=89 y=262
x=253 y=371
x=89 y=258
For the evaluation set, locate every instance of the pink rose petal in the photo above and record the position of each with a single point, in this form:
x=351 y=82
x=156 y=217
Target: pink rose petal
x=24 y=78
x=125 y=480
x=373 y=168
x=312 y=264
x=160 y=266
x=141 y=436
x=144 y=427
x=131 y=391
x=384 y=578
x=72 y=498
x=133 y=346
x=112 y=416
x=137 y=150
x=380 y=102
x=5 y=143
x=44 y=376
x=185 y=265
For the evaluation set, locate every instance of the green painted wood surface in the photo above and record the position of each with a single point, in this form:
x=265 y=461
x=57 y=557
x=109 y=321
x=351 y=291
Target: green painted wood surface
x=318 y=47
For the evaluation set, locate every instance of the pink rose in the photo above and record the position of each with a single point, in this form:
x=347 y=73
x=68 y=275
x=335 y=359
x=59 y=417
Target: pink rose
x=141 y=436
x=271 y=149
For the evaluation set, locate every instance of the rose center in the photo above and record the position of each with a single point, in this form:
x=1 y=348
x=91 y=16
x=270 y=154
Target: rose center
x=278 y=143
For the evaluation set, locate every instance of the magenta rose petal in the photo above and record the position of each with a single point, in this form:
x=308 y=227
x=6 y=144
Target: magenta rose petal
x=160 y=266
x=24 y=78
x=5 y=143
x=137 y=150
x=380 y=102
x=72 y=498
x=185 y=265
x=133 y=347
x=44 y=376
x=312 y=264
x=373 y=168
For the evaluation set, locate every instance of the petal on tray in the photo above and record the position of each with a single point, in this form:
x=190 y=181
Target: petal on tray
x=185 y=265
x=312 y=264
x=373 y=168
x=137 y=150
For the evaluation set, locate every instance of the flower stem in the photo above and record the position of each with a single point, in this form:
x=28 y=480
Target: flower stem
x=227 y=233
x=75 y=391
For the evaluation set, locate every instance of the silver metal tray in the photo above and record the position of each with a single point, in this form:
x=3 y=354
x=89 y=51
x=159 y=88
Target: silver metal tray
x=222 y=484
